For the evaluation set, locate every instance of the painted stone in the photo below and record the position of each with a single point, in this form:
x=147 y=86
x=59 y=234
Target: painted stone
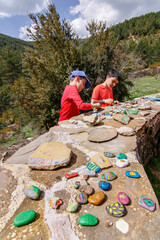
x=101 y=161
x=108 y=154
x=134 y=111
x=121 y=156
x=88 y=220
x=87 y=189
x=76 y=184
x=122 y=118
x=123 y=198
x=147 y=203
x=129 y=113
x=132 y=174
x=68 y=176
x=102 y=134
x=72 y=207
x=96 y=198
x=104 y=185
x=32 y=192
x=109 y=176
x=116 y=209
x=89 y=173
x=93 y=167
x=55 y=202
x=82 y=198
x=24 y=218
x=49 y=156
x=122 y=163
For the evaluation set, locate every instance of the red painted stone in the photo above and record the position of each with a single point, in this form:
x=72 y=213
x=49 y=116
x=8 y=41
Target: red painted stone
x=71 y=175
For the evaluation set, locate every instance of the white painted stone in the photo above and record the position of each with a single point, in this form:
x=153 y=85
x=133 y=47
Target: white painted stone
x=122 y=226
x=122 y=163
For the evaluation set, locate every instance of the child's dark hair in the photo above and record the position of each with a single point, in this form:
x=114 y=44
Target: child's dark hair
x=114 y=73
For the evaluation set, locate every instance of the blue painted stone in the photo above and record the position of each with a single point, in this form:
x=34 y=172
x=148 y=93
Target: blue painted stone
x=121 y=156
x=104 y=185
x=108 y=154
x=93 y=167
x=132 y=174
x=32 y=192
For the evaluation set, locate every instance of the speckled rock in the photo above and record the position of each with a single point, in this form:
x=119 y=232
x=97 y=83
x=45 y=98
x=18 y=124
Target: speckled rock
x=32 y=192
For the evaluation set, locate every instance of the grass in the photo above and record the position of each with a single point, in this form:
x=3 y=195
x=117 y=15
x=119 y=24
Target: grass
x=152 y=169
x=144 y=86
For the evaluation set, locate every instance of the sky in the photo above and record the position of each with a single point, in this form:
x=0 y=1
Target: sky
x=14 y=13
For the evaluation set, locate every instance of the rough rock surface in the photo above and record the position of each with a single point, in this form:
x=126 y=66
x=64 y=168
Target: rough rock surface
x=102 y=134
x=49 y=156
x=58 y=224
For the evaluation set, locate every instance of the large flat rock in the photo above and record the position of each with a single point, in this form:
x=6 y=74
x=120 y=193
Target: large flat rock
x=49 y=156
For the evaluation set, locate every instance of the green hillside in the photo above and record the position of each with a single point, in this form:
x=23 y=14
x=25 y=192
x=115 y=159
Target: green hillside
x=145 y=25
x=13 y=43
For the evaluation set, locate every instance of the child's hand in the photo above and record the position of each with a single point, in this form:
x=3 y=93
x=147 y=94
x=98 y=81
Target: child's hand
x=109 y=101
x=117 y=102
x=96 y=105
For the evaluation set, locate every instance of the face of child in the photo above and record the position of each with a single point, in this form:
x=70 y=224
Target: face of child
x=81 y=84
x=112 y=82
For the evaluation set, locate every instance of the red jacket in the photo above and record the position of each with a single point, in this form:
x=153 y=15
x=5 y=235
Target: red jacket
x=71 y=103
x=101 y=92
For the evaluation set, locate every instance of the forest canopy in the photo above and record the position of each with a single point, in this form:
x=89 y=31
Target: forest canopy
x=33 y=74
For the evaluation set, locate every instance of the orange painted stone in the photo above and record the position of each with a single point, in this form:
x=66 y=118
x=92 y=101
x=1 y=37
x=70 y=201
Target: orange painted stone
x=96 y=198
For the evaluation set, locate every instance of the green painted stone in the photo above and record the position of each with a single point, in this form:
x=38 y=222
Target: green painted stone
x=72 y=207
x=88 y=220
x=32 y=192
x=133 y=111
x=24 y=218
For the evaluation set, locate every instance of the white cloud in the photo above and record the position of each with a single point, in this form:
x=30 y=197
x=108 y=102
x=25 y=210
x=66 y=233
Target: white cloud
x=23 y=32
x=92 y=10
x=111 y=11
x=10 y=8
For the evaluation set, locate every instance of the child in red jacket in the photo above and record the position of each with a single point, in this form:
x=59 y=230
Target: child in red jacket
x=103 y=93
x=71 y=102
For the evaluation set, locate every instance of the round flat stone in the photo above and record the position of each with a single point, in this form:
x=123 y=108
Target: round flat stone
x=32 y=192
x=102 y=134
x=123 y=198
x=88 y=220
x=132 y=174
x=96 y=198
x=121 y=156
x=72 y=207
x=122 y=163
x=24 y=218
x=109 y=176
x=104 y=185
x=116 y=209
x=82 y=198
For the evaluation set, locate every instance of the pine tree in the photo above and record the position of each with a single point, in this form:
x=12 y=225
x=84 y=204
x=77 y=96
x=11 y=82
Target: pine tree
x=47 y=66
